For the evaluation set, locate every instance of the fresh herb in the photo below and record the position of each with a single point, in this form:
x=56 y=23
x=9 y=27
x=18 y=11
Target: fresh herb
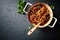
x=28 y=27
x=52 y=6
x=21 y=5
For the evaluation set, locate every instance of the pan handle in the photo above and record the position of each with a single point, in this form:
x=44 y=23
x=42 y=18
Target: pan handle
x=53 y=23
x=26 y=6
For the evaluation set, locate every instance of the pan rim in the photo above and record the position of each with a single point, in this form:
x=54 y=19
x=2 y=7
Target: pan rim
x=51 y=13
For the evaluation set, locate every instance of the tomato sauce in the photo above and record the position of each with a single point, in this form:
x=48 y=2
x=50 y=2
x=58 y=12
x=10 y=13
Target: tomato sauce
x=37 y=12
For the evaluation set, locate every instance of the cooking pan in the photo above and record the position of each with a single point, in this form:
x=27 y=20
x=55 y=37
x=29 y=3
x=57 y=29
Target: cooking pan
x=51 y=14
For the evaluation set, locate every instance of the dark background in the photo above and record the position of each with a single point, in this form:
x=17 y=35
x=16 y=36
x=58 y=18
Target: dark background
x=13 y=26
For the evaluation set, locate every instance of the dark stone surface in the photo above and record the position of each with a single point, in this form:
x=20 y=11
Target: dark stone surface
x=13 y=26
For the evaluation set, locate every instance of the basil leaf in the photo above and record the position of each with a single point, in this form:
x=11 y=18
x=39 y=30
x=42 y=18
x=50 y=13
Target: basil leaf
x=52 y=6
x=21 y=5
x=28 y=27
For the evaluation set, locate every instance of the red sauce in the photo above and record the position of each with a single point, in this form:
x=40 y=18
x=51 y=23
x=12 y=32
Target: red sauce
x=36 y=13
